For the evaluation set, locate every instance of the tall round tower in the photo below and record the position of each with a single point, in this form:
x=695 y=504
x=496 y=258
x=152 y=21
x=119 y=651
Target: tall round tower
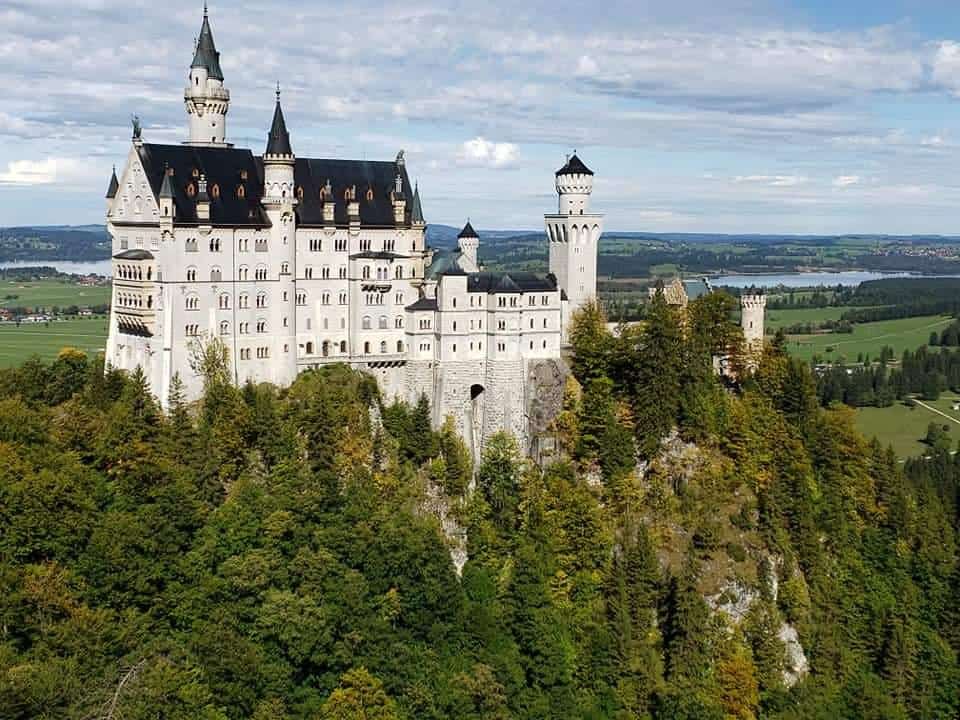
x=574 y=236
x=753 y=305
x=206 y=99
x=469 y=243
x=279 y=202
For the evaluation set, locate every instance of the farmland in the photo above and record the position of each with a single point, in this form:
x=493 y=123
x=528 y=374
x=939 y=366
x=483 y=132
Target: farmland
x=905 y=427
x=47 y=339
x=50 y=293
x=868 y=338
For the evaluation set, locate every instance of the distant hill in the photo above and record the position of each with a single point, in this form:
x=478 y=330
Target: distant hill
x=85 y=242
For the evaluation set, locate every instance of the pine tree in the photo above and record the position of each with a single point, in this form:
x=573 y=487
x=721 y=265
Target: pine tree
x=656 y=396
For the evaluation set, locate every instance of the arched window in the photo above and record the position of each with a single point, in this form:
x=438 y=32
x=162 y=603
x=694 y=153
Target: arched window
x=366 y=272
x=343 y=346
x=191 y=274
x=366 y=348
x=224 y=328
x=241 y=192
x=261 y=300
x=244 y=301
x=383 y=322
x=398 y=323
x=224 y=301
x=192 y=302
x=284 y=268
x=367 y=323
x=399 y=346
x=215 y=274
x=309 y=348
x=398 y=272
x=383 y=347
x=326 y=348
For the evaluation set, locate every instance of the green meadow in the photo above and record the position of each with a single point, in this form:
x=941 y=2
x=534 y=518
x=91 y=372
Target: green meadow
x=47 y=339
x=50 y=293
x=905 y=427
x=868 y=338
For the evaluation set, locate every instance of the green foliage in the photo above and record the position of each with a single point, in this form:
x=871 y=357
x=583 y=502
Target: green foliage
x=279 y=554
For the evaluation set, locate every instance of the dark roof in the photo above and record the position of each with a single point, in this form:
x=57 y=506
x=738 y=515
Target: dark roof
x=446 y=263
x=515 y=282
x=278 y=142
x=311 y=175
x=574 y=166
x=224 y=168
x=468 y=232
x=206 y=55
x=378 y=255
x=416 y=212
x=114 y=186
x=424 y=303
x=135 y=254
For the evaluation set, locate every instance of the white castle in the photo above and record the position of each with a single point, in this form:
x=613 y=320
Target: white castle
x=296 y=262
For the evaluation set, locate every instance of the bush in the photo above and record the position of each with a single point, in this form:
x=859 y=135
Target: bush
x=736 y=552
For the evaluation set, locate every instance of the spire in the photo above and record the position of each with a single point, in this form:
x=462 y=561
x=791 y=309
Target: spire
x=416 y=213
x=114 y=185
x=206 y=55
x=574 y=166
x=166 y=189
x=468 y=232
x=278 y=142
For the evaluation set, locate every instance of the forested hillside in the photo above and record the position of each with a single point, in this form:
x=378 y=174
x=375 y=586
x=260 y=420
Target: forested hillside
x=696 y=551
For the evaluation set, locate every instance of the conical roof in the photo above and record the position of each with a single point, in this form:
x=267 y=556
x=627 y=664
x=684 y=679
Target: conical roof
x=416 y=212
x=114 y=186
x=574 y=166
x=206 y=55
x=278 y=142
x=468 y=232
x=166 y=189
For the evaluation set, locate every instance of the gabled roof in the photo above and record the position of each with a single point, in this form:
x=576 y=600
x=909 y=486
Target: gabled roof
x=278 y=142
x=225 y=168
x=114 y=186
x=468 y=232
x=311 y=175
x=206 y=55
x=416 y=212
x=574 y=166
x=514 y=282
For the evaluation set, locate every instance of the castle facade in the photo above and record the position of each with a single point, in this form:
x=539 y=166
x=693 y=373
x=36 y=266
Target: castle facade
x=297 y=262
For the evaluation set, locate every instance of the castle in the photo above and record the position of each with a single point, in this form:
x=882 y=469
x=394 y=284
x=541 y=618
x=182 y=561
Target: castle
x=297 y=262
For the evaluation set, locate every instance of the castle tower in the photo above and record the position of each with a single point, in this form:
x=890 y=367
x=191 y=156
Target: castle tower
x=574 y=236
x=469 y=243
x=279 y=202
x=206 y=99
x=753 y=304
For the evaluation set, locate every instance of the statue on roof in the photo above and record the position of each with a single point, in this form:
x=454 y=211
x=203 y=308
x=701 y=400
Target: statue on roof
x=137 y=128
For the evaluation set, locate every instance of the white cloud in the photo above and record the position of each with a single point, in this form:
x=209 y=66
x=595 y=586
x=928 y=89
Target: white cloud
x=846 y=181
x=41 y=172
x=481 y=152
x=771 y=180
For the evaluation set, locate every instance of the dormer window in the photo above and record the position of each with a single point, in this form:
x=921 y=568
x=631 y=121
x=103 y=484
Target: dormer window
x=191 y=190
x=369 y=194
x=241 y=192
x=215 y=191
x=196 y=173
x=300 y=192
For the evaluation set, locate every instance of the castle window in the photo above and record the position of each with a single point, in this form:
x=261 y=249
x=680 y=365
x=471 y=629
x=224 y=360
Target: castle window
x=398 y=273
x=343 y=298
x=224 y=328
x=309 y=324
x=191 y=190
x=383 y=322
x=454 y=325
x=325 y=348
x=241 y=192
x=366 y=348
x=399 y=346
x=261 y=326
x=369 y=194
x=343 y=346
x=343 y=272
x=454 y=348
x=300 y=192
x=261 y=272
x=531 y=300
x=544 y=323
x=196 y=173
x=309 y=348
x=244 y=301
x=243 y=273
x=191 y=274
x=308 y=273
x=366 y=272
x=215 y=191
x=502 y=347
x=261 y=300
x=191 y=245
x=301 y=298
x=192 y=302
x=224 y=301
x=325 y=272
x=398 y=323
x=243 y=174
x=325 y=298
x=214 y=244
x=284 y=268
x=367 y=323
x=501 y=324
x=215 y=274
x=454 y=302
x=383 y=347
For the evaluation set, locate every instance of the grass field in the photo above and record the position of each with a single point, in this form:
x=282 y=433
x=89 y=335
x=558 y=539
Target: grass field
x=48 y=293
x=46 y=340
x=785 y=318
x=869 y=339
x=904 y=428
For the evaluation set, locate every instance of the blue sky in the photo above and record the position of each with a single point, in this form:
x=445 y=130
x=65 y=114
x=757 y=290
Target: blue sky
x=787 y=116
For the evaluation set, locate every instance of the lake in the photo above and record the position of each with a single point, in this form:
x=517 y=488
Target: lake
x=848 y=278
x=97 y=267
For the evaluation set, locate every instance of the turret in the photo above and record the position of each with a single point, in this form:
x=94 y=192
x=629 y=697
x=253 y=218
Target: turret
x=166 y=198
x=112 y=190
x=278 y=160
x=206 y=99
x=469 y=242
x=574 y=236
x=753 y=304
x=416 y=211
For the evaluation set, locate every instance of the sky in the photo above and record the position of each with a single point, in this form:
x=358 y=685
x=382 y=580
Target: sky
x=726 y=116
